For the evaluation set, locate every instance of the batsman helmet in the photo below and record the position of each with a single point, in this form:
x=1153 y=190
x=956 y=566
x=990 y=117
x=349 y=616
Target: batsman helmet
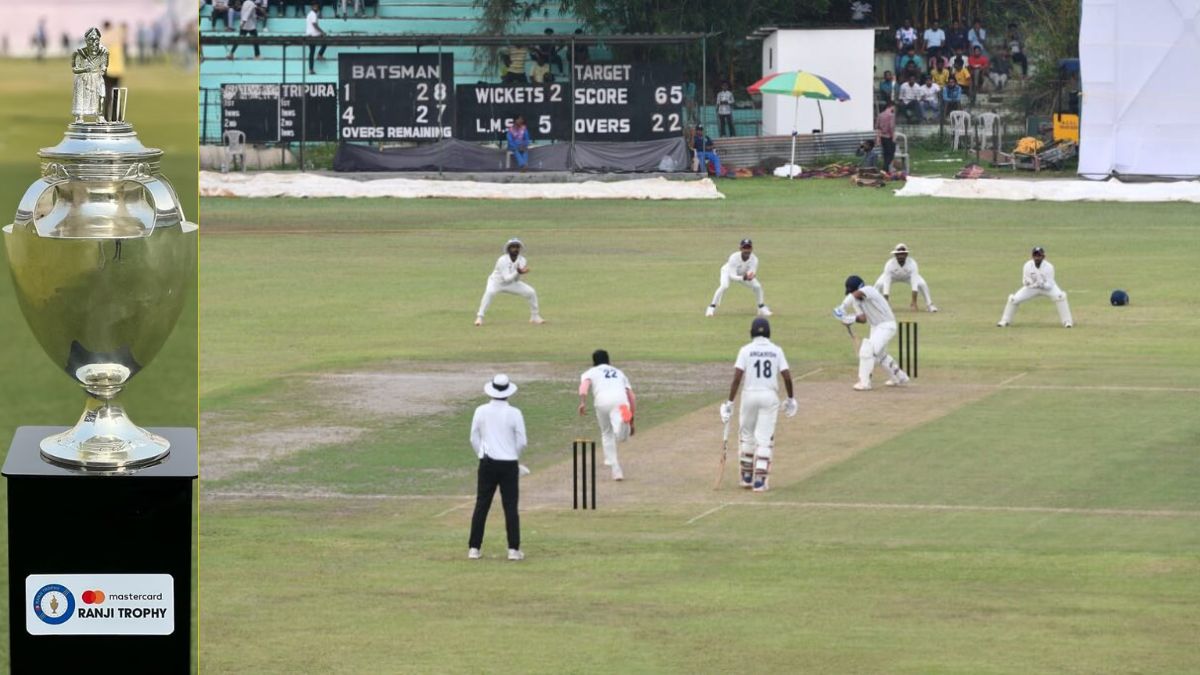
x=1119 y=298
x=512 y=241
x=746 y=243
x=760 y=327
x=853 y=283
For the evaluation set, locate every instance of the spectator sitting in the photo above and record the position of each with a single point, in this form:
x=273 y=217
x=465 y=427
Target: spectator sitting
x=220 y=10
x=979 y=66
x=518 y=141
x=906 y=37
x=1016 y=46
x=910 y=99
x=962 y=74
x=934 y=38
x=549 y=51
x=956 y=39
x=952 y=97
x=887 y=88
x=703 y=146
x=514 y=59
x=912 y=57
x=940 y=73
x=1000 y=69
x=540 y=72
x=931 y=99
x=870 y=154
x=977 y=36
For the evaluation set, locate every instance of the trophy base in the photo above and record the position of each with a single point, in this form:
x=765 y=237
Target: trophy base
x=104 y=439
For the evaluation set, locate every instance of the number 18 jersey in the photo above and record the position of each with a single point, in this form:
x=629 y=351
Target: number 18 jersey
x=761 y=361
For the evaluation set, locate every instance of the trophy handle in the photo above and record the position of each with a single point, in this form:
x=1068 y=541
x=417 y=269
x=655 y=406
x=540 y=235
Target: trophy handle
x=28 y=204
x=167 y=211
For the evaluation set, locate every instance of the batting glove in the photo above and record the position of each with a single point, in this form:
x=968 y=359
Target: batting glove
x=839 y=313
x=726 y=411
x=790 y=407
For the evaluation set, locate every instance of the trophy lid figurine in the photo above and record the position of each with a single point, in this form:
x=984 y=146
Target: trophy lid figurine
x=102 y=258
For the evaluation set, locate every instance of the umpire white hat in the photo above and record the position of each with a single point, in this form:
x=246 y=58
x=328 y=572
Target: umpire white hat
x=500 y=387
x=900 y=248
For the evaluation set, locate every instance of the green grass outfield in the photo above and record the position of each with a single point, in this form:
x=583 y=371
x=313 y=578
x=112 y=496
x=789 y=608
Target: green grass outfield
x=35 y=111
x=1031 y=505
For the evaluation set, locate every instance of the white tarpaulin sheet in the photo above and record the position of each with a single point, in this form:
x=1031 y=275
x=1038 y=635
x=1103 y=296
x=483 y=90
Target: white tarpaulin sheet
x=1140 y=78
x=213 y=184
x=1051 y=190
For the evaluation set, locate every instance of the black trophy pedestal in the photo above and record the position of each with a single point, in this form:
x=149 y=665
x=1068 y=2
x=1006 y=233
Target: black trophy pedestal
x=100 y=566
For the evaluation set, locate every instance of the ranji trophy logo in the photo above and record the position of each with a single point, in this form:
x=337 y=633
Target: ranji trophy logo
x=102 y=258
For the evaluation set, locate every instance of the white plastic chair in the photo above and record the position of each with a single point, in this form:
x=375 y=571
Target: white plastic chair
x=988 y=124
x=960 y=126
x=235 y=149
x=901 y=151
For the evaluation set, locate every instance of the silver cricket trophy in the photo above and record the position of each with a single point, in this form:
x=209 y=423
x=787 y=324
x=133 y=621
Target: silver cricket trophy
x=102 y=258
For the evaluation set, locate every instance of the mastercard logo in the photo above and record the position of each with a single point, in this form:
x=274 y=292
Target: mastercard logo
x=92 y=597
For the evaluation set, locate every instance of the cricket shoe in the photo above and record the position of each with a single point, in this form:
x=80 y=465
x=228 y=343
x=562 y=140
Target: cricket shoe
x=859 y=386
x=747 y=479
x=900 y=379
x=1068 y=324
x=515 y=554
x=933 y=309
x=1001 y=324
x=617 y=474
x=710 y=311
x=761 y=485
x=479 y=321
x=763 y=310
x=474 y=554
x=537 y=321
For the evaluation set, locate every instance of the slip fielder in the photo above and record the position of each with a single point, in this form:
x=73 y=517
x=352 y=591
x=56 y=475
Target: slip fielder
x=900 y=267
x=1037 y=279
x=864 y=304
x=613 y=399
x=506 y=278
x=759 y=366
x=741 y=267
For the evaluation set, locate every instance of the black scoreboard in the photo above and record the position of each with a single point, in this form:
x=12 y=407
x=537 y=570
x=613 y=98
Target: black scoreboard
x=486 y=110
x=270 y=113
x=395 y=97
x=627 y=102
x=252 y=109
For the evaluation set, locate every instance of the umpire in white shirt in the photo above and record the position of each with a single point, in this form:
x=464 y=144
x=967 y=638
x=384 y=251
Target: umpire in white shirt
x=498 y=437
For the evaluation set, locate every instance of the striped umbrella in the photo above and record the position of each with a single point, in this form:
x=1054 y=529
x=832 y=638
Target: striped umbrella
x=800 y=84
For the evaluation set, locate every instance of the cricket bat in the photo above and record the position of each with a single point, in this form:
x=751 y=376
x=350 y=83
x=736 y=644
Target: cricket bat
x=724 y=453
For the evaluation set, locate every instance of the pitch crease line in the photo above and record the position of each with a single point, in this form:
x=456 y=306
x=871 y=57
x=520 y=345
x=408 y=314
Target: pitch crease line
x=811 y=372
x=709 y=512
x=1012 y=379
x=1155 y=513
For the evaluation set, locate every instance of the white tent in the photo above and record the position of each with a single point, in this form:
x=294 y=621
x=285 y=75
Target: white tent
x=1141 y=88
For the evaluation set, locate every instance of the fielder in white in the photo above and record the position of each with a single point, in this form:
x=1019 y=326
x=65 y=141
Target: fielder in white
x=506 y=278
x=864 y=304
x=741 y=267
x=902 y=268
x=759 y=364
x=613 y=399
x=1037 y=279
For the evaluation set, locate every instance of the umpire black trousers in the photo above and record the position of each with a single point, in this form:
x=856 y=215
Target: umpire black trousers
x=495 y=473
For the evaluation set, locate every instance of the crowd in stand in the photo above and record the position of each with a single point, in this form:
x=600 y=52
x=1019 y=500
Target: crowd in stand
x=938 y=71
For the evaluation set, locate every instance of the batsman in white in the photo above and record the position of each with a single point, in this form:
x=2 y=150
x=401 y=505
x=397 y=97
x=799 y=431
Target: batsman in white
x=864 y=304
x=1037 y=279
x=612 y=396
x=741 y=267
x=902 y=268
x=506 y=278
x=759 y=364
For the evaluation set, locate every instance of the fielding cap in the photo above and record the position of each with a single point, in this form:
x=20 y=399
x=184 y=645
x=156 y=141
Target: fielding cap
x=1038 y=250
x=512 y=241
x=746 y=243
x=1119 y=298
x=760 y=327
x=853 y=283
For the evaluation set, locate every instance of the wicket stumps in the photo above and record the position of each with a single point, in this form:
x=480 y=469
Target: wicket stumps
x=579 y=460
x=909 y=341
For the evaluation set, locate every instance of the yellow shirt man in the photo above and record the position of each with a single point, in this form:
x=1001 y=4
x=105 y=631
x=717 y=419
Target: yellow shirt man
x=941 y=76
x=964 y=77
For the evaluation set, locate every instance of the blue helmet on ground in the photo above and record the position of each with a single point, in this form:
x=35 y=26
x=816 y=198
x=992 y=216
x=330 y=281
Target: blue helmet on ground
x=853 y=283
x=760 y=327
x=1119 y=298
